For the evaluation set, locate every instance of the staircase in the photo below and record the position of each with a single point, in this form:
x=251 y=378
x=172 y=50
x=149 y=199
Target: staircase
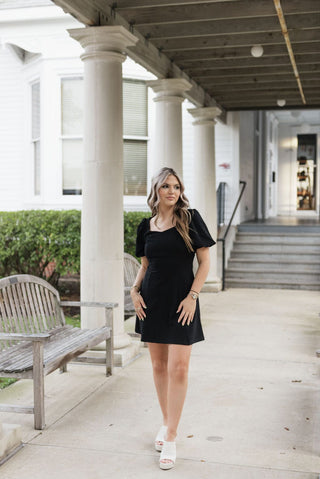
x=275 y=256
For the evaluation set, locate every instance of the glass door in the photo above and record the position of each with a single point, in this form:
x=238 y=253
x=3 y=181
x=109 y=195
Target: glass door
x=306 y=172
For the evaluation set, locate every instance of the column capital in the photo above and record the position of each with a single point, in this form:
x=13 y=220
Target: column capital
x=205 y=115
x=170 y=89
x=96 y=40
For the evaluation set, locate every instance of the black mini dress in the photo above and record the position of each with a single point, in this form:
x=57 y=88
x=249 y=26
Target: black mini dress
x=168 y=280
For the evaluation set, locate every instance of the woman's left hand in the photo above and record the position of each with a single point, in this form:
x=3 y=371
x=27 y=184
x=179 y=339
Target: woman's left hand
x=187 y=308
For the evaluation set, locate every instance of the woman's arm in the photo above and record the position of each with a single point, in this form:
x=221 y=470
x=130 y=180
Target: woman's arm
x=203 y=257
x=188 y=304
x=136 y=297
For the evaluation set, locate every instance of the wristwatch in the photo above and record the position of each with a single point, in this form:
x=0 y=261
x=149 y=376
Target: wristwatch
x=193 y=295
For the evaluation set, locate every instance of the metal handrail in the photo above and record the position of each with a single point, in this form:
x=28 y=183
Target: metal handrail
x=223 y=239
x=221 y=199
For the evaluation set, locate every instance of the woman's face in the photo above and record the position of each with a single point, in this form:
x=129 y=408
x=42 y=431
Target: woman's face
x=169 y=191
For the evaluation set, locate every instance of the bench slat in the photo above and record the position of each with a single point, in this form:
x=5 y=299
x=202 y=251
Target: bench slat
x=46 y=304
x=33 y=287
x=16 y=309
x=42 y=315
x=29 y=320
x=4 y=323
x=20 y=302
x=15 y=325
x=62 y=345
x=31 y=304
x=62 y=358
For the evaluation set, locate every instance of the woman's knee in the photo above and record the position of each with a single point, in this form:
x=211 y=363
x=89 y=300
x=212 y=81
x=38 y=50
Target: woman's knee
x=160 y=366
x=179 y=370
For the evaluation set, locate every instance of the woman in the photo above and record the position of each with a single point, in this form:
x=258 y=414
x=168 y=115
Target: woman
x=165 y=296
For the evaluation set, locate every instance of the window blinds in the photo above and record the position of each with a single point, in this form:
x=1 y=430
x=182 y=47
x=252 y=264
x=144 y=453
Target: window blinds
x=135 y=167
x=135 y=123
x=72 y=106
x=135 y=108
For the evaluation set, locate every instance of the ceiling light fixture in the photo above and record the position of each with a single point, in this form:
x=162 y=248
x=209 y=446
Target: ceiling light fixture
x=281 y=102
x=257 y=51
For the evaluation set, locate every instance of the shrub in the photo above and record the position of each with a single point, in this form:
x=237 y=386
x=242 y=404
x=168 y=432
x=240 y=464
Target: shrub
x=46 y=243
x=131 y=221
x=30 y=240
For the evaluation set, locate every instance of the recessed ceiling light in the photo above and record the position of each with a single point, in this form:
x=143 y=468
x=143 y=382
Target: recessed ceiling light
x=257 y=51
x=281 y=102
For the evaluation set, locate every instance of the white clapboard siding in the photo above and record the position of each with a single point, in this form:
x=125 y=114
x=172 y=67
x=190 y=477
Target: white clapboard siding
x=12 y=155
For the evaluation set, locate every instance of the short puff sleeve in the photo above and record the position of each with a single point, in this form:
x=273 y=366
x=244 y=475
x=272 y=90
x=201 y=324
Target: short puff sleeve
x=140 y=241
x=199 y=232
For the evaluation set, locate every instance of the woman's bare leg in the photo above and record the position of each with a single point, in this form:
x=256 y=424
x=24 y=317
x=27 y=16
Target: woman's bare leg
x=178 y=367
x=159 y=360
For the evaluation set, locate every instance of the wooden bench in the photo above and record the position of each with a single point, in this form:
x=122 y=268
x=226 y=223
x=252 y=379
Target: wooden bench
x=34 y=337
x=131 y=268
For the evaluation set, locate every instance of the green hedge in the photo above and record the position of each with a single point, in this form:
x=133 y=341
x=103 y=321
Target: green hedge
x=31 y=239
x=131 y=221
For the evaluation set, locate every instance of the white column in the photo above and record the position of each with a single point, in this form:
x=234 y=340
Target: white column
x=204 y=174
x=167 y=143
x=102 y=242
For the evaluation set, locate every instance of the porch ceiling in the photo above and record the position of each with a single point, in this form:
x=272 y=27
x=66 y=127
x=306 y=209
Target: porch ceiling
x=209 y=42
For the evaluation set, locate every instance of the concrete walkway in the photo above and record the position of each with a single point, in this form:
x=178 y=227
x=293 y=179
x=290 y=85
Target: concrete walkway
x=252 y=409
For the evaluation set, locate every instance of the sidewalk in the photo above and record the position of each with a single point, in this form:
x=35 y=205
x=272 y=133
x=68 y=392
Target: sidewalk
x=252 y=409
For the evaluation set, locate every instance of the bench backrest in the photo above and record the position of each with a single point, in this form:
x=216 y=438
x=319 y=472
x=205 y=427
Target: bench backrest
x=28 y=305
x=131 y=268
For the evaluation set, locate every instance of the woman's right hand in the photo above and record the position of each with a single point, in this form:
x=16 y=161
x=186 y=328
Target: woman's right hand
x=138 y=304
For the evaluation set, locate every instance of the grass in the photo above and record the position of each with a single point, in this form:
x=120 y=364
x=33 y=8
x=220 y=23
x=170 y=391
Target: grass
x=4 y=382
x=72 y=320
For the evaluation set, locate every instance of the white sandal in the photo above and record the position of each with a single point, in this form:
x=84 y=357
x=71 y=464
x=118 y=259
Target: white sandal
x=159 y=440
x=168 y=453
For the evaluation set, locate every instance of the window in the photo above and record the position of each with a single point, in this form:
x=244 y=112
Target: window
x=135 y=129
x=35 y=135
x=135 y=137
x=71 y=134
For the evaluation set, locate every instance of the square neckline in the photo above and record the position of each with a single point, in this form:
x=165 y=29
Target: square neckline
x=153 y=231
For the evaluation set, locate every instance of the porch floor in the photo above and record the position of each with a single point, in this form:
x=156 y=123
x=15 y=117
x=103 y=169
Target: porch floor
x=252 y=409
x=286 y=221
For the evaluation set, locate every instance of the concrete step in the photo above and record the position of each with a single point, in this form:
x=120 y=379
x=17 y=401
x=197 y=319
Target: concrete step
x=280 y=257
x=269 y=284
x=283 y=238
x=264 y=228
x=273 y=274
x=263 y=247
x=273 y=264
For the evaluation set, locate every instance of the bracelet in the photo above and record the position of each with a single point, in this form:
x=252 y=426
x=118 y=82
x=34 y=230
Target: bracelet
x=194 y=291
x=136 y=287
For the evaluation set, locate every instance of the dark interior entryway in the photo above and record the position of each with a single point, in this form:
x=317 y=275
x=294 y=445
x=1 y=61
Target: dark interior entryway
x=306 y=172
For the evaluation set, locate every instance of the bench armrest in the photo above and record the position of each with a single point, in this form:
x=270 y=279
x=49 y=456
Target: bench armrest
x=89 y=303
x=25 y=337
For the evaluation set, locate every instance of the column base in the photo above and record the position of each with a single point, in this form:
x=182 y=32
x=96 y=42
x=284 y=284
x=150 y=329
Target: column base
x=10 y=441
x=120 y=341
x=124 y=356
x=212 y=286
x=121 y=357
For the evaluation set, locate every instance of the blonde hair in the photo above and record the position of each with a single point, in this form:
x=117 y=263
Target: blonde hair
x=180 y=212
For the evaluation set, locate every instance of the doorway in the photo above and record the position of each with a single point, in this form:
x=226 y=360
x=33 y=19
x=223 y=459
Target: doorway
x=306 y=172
